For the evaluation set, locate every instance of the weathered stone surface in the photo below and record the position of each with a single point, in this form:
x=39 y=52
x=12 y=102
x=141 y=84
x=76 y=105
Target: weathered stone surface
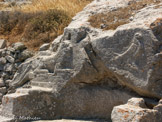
x=8 y=67
x=159 y=109
x=24 y=55
x=139 y=102
x=55 y=44
x=1 y=82
x=19 y=46
x=44 y=47
x=10 y=59
x=6 y=119
x=3 y=90
x=2 y=61
x=89 y=71
x=130 y=53
x=7 y=82
x=70 y=103
x=2 y=43
x=132 y=69
x=133 y=111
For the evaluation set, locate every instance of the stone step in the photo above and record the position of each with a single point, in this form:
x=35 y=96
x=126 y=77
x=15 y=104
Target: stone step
x=16 y=103
x=62 y=71
x=41 y=71
x=8 y=102
x=42 y=84
x=47 y=79
x=33 y=88
x=22 y=90
x=37 y=88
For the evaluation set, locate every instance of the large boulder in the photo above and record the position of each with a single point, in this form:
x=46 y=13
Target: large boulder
x=133 y=57
x=136 y=110
x=89 y=71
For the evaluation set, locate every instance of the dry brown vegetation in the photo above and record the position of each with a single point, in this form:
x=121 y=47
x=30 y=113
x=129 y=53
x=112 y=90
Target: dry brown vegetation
x=113 y=19
x=39 y=22
x=70 y=6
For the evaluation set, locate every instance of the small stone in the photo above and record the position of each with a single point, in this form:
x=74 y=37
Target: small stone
x=3 y=90
x=3 y=52
x=137 y=102
x=10 y=59
x=103 y=26
x=19 y=46
x=44 y=47
x=17 y=65
x=11 y=49
x=113 y=9
x=3 y=43
x=24 y=55
x=3 y=61
x=8 y=52
x=131 y=18
x=2 y=83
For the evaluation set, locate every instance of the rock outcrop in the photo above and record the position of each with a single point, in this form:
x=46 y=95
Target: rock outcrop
x=136 y=111
x=87 y=71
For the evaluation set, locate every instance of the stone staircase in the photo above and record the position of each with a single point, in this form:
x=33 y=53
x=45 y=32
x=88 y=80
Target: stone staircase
x=51 y=80
x=18 y=104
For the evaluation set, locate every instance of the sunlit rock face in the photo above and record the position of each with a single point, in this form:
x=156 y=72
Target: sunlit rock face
x=87 y=71
x=136 y=110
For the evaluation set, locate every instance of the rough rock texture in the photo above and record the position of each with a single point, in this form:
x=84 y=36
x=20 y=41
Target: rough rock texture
x=87 y=71
x=10 y=59
x=2 y=43
x=136 y=111
x=44 y=47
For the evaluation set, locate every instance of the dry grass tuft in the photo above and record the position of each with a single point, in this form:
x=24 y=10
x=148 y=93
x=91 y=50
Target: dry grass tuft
x=39 y=22
x=113 y=19
x=70 y=6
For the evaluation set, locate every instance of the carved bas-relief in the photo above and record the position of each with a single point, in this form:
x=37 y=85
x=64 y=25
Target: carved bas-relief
x=131 y=57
